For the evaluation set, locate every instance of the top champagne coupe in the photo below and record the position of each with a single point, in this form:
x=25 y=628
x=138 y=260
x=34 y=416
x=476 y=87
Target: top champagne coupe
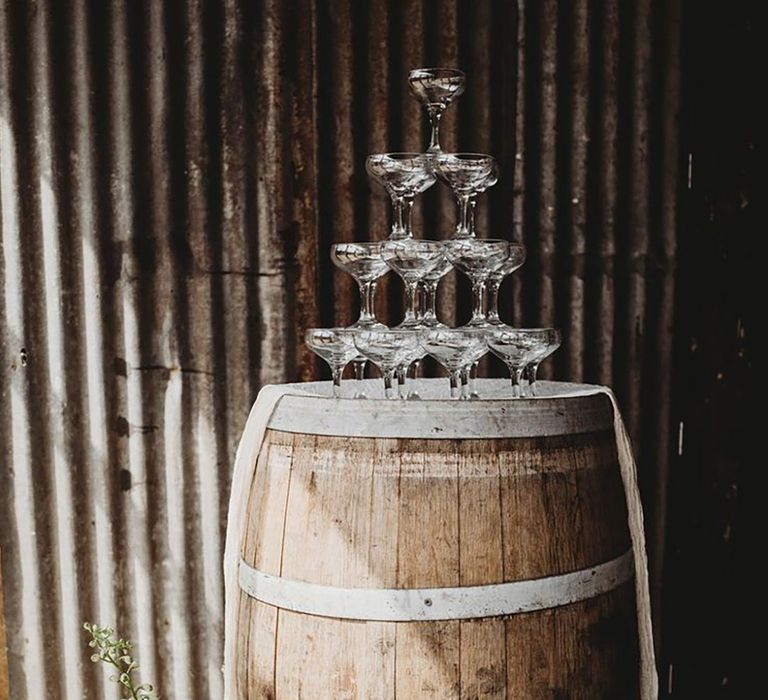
x=436 y=88
x=403 y=176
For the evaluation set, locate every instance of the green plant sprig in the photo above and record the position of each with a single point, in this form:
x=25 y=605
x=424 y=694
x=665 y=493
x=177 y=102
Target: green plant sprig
x=117 y=653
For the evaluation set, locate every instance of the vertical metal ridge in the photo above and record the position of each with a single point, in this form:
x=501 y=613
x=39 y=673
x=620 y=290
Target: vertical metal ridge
x=135 y=563
x=377 y=126
x=67 y=566
x=162 y=370
x=442 y=49
x=21 y=556
x=637 y=214
x=573 y=202
x=668 y=64
x=548 y=181
x=502 y=86
x=340 y=156
x=273 y=195
x=605 y=187
x=475 y=125
x=412 y=116
x=97 y=516
x=202 y=509
x=304 y=222
x=519 y=171
x=238 y=265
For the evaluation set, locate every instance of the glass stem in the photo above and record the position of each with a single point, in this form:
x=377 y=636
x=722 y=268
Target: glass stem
x=430 y=301
x=516 y=373
x=478 y=298
x=398 y=220
x=455 y=377
x=435 y=112
x=412 y=300
x=367 y=295
x=471 y=377
x=465 y=383
x=408 y=216
x=389 y=375
x=493 y=300
x=337 y=371
x=532 y=369
x=360 y=369
x=402 y=376
x=422 y=298
x=463 y=228
x=471 y=218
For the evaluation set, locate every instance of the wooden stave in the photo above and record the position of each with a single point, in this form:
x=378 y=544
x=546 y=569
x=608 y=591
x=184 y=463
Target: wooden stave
x=618 y=607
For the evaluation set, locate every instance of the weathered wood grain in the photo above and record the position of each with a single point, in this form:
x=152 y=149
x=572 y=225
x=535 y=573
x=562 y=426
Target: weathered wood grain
x=418 y=513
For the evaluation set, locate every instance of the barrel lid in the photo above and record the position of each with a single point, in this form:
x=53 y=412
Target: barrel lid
x=560 y=408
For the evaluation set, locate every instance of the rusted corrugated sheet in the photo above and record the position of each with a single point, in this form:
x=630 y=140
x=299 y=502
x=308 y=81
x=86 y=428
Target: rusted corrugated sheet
x=171 y=176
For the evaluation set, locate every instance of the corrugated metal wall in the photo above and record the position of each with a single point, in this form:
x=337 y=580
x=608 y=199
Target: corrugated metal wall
x=171 y=176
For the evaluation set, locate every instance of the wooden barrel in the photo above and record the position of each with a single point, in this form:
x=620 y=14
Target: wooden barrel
x=365 y=516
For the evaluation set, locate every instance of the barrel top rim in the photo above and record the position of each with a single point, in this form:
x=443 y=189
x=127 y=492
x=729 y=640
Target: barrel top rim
x=561 y=408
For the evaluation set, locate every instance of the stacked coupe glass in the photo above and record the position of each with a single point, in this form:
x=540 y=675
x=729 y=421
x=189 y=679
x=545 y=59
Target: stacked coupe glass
x=421 y=264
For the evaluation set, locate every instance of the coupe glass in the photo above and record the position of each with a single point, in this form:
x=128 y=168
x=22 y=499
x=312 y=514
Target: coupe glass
x=409 y=369
x=455 y=349
x=412 y=260
x=403 y=176
x=436 y=88
x=362 y=261
x=467 y=174
x=477 y=258
x=490 y=181
x=513 y=262
x=520 y=347
x=388 y=349
x=550 y=341
x=429 y=284
x=336 y=346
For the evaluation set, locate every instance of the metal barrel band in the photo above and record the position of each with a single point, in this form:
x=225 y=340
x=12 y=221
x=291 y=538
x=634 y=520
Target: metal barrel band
x=459 y=603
